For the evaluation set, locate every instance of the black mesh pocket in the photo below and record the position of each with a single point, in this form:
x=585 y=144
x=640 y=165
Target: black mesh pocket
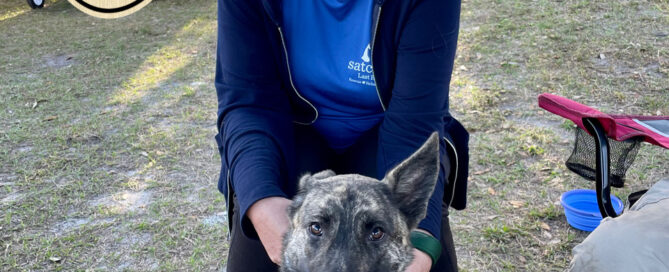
x=583 y=159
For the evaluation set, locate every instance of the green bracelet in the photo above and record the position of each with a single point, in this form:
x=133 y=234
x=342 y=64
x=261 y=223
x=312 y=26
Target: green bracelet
x=428 y=244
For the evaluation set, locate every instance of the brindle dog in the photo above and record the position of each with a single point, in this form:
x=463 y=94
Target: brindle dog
x=356 y=223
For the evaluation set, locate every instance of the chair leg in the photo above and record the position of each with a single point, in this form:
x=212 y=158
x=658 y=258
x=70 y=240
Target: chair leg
x=603 y=185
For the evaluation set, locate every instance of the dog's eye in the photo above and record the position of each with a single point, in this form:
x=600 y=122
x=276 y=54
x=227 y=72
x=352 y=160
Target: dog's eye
x=377 y=234
x=316 y=229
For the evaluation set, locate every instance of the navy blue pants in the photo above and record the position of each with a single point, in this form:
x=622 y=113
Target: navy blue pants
x=314 y=155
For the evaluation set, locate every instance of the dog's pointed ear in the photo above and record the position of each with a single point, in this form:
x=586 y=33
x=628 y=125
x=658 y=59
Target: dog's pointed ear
x=307 y=179
x=412 y=181
x=324 y=174
x=306 y=182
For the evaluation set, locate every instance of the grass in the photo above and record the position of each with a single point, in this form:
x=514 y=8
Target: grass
x=612 y=56
x=106 y=126
x=108 y=162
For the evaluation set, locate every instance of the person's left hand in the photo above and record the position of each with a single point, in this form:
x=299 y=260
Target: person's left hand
x=421 y=262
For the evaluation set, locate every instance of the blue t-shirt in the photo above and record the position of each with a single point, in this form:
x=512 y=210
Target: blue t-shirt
x=328 y=43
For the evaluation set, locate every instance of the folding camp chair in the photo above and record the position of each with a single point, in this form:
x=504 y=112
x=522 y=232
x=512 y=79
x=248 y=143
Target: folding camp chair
x=595 y=157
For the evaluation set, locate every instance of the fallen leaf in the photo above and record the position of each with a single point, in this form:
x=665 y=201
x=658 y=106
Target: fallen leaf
x=545 y=226
x=51 y=118
x=35 y=103
x=517 y=203
x=509 y=64
x=491 y=191
x=481 y=172
x=602 y=56
x=54 y=259
x=522 y=259
x=556 y=181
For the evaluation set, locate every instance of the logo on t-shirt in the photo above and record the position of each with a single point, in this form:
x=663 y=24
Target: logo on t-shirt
x=365 y=56
x=363 y=72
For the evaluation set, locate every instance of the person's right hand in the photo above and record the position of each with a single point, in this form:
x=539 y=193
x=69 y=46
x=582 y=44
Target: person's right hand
x=270 y=219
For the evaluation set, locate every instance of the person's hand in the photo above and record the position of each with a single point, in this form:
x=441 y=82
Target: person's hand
x=270 y=219
x=421 y=262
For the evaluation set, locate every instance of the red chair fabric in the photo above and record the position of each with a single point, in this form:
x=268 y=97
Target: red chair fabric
x=653 y=129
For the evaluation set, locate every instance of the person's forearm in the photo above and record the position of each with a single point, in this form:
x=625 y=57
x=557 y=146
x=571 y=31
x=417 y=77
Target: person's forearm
x=268 y=207
x=254 y=158
x=421 y=262
x=432 y=221
x=270 y=220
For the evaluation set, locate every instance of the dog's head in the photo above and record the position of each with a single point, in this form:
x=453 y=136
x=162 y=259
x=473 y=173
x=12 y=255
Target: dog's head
x=357 y=223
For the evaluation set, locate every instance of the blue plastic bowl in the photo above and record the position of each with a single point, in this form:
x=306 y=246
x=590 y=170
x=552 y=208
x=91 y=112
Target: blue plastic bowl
x=581 y=210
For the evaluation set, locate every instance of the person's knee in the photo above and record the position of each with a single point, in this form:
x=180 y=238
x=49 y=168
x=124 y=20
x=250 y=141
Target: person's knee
x=633 y=241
